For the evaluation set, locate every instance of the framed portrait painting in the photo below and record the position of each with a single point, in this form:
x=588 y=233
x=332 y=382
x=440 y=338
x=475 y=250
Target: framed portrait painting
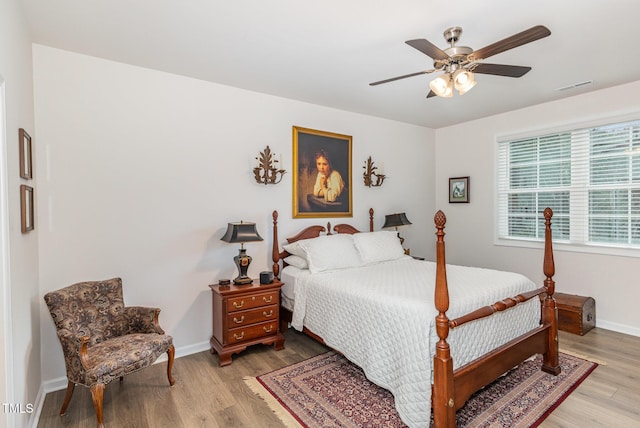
x=459 y=190
x=321 y=174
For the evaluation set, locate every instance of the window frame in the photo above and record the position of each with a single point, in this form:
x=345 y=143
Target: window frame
x=560 y=245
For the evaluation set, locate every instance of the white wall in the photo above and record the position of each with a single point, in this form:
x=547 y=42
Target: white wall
x=468 y=149
x=19 y=302
x=140 y=171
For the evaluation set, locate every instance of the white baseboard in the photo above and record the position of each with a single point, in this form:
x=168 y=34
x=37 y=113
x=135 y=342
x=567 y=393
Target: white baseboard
x=61 y=382
x=183 y=351
x=620 y=328
x=37 y=408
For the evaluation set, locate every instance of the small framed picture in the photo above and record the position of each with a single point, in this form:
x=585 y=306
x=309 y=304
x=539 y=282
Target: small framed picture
x=26 y=207
x=25 y=154
x=459 y=190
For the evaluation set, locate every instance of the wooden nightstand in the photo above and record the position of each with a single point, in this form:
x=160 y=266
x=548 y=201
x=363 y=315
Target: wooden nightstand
x=245 y=315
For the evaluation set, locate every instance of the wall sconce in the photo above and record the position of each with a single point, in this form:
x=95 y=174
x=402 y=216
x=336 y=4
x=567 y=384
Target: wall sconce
x=369 y=173
x=266 y=171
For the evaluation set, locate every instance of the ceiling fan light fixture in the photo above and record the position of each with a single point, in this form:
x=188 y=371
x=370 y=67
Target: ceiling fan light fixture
x=442 y=86
x=453 y=60
x=463 y=80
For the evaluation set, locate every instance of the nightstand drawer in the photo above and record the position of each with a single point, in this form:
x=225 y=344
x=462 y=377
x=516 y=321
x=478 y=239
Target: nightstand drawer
x=249 y=302
x=242 y=318
x=241 y=334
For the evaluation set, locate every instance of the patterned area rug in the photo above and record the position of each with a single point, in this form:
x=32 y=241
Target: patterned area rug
x=329 y=391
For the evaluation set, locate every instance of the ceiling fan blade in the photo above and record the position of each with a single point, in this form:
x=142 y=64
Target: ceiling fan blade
x=500 y=69
x=401 y=77
x=431 y=94
x=428 y=48
x=524 y=37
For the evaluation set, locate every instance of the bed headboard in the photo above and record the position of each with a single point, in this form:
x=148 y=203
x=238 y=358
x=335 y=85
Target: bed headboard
x=308 y=233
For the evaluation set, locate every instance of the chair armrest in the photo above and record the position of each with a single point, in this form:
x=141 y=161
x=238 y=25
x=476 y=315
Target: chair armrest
x=142 y=320
x=74 y=347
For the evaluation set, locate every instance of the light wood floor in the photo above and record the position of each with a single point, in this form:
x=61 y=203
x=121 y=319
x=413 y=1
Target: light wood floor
x=206 y=395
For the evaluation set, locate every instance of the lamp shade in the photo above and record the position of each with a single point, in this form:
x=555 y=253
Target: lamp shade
x=463 y=80
x=241 y=232
x=395 y=220
x=442 y=86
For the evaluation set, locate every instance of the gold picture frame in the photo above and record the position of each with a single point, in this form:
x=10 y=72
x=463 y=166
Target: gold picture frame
x=26 y=208
x=322 y=184
x=25 y=154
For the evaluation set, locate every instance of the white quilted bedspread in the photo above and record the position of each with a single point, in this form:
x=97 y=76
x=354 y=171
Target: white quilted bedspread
x=381 y=317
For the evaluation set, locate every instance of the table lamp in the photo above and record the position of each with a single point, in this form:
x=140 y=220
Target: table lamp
x=241 y=232
x=395 y=220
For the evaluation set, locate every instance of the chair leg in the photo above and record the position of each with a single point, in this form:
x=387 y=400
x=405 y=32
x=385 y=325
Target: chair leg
x=67 y=397
x=170 y=353
x=97 y=392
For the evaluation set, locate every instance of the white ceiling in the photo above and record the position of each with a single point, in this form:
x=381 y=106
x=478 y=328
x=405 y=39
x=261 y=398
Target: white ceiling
x=327 y=52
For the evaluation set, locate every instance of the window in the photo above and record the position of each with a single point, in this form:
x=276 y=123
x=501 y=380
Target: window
x=590 y=178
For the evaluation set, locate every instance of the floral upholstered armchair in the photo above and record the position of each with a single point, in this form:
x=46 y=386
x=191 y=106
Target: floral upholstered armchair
x=102 y=339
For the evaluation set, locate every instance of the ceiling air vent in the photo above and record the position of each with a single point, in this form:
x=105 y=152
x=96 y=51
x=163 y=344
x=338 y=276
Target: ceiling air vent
x=575 y=85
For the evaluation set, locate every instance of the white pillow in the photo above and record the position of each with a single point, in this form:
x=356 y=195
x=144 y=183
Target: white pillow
x=297 y=261
x=375 y=247
x=295 y=249
x=330 y=252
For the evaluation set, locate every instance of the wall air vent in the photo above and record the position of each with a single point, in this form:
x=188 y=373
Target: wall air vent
x=575 y=85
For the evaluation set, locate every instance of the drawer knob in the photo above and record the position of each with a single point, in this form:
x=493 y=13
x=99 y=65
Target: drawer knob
x=269 y=300
x=238 y=321
x=267 y=330
x=267 y=315
x=238 y=305
x=238 y=337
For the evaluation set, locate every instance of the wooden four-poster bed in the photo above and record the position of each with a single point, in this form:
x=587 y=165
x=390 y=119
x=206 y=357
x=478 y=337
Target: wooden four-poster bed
x=451 y=385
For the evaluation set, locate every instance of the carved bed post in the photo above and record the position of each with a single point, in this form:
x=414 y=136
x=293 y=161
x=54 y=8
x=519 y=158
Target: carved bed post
x=550 y=363
x=444 y=414
x=275 y=251
x=370 y=219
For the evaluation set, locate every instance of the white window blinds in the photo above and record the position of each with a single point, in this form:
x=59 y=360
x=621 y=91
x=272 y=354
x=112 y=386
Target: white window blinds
x=590 y=177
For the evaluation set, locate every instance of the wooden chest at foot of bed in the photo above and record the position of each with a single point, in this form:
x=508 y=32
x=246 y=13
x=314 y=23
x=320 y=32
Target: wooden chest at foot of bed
x=576 y=314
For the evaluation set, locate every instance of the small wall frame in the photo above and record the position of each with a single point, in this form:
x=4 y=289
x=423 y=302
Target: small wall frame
x=26 y=208
x=25 y=154
x=459 y=190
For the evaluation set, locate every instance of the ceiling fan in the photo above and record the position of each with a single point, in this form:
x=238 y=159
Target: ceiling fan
x=459 y=63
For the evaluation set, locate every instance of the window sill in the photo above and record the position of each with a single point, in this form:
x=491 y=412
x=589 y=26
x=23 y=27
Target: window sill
x=560 y=246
